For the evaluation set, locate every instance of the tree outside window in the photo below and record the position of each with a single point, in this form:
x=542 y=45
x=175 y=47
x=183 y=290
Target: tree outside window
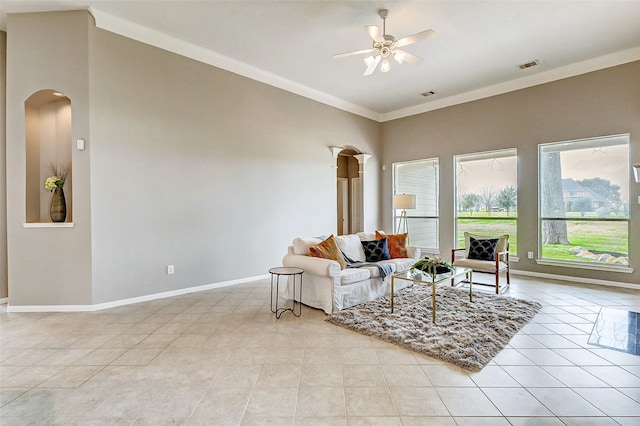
x=584 y=200
x=487 y=195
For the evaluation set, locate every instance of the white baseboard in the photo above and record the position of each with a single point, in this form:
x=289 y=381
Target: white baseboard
x=576 y=280
x=116 y=303
x=4 y=300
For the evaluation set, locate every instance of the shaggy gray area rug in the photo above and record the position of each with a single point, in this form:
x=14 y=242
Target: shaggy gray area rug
x=466 y=334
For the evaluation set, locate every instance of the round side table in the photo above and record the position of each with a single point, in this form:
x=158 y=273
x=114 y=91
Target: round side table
x=276 y=273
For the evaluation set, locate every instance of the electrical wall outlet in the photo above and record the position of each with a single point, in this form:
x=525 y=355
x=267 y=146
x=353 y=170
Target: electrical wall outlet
x=529 y=255
x=170 y=270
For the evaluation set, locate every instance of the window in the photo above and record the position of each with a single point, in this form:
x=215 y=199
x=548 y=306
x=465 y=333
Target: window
x=584 y=201
x=419 y=178
x=487 y=195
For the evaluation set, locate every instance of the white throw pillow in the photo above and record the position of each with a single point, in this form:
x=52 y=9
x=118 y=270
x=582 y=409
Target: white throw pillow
x=368 y=236
x=351 y=247
x=301 y=245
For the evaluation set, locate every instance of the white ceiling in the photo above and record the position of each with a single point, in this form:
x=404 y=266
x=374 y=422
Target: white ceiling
x=290 y=44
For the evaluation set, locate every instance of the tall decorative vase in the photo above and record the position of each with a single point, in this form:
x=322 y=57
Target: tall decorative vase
x=58 y=208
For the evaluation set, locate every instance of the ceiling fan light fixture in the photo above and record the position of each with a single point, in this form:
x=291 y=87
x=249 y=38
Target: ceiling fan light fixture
x=384 y=45
x=399 y=57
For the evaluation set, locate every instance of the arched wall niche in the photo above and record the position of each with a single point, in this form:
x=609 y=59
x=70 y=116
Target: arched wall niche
x=47 y=145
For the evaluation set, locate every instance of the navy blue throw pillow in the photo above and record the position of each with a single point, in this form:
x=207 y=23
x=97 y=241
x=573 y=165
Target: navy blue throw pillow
x=482 y=249
x=376 y=250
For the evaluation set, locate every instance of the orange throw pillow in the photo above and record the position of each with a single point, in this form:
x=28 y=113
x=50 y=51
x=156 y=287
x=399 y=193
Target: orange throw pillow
x=328 y=249
x=397 y=244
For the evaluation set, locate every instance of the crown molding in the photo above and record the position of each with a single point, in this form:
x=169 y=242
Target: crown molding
x=155 y=38
x=590 y=65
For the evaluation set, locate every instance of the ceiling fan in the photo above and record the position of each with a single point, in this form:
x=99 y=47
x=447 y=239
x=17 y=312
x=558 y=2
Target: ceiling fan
x=385 y=45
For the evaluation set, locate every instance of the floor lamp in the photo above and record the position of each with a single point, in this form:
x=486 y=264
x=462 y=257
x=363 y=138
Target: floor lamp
x=403 y=202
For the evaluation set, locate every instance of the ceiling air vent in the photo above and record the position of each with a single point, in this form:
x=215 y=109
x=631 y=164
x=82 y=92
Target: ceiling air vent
x=530 y=64
x=429 y=93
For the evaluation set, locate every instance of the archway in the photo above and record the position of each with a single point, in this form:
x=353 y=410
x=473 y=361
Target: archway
x=350 y=167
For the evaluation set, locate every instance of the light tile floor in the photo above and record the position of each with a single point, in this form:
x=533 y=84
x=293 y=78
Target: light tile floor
x=221 y=358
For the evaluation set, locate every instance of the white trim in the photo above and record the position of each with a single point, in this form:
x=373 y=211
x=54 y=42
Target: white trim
x=48 y=225
x=155 y=38
x=116 y=303
x=575 y=280
x=585 y=265
x=572 y=70
x=4 y=300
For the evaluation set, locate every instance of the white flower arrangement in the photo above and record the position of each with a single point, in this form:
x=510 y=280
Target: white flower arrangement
x=58 y=179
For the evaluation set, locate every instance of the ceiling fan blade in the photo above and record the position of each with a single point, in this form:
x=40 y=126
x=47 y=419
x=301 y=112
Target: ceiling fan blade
x=415 y=38
x=372 y=67
x=374 y=32
x=406 y=57
x=355 y=52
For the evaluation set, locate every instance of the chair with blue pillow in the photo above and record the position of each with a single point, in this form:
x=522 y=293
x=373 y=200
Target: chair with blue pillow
x=485 y=254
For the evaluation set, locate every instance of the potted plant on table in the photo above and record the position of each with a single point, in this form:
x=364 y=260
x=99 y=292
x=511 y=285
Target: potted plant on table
x=432 y=266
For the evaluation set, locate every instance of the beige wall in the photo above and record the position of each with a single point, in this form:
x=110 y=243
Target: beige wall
x=48 y=266
x=3 y=170
x=185 y=164
x=190 y=165
x=600 y=103
x=204 y=169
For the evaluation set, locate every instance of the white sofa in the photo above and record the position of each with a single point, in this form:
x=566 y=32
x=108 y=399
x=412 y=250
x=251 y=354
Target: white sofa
x=327 y=287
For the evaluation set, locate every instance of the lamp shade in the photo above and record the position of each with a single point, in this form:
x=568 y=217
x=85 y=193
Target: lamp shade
x=404 y=201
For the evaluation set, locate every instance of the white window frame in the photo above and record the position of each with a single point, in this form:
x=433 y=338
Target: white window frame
x=411 y=215
x=578 y=262
x=493 y=154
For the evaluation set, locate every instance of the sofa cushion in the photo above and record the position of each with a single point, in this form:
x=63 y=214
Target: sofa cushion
x=301 y=245
x=397 y=244
x=354 y=275
x=328 y=249
x=482 y=249
x=480 y=265
x=376 y=250
x=351 y=247
x=401 y=264
x=390 y=263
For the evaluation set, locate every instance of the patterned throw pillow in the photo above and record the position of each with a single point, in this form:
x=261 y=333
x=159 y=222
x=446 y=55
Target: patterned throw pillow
x=328 y=249
x=376 y=250
x=503 y=241
x=397 y=244
x=482 y=249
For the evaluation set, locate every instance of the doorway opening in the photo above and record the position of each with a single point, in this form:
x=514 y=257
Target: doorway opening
x=349 y=193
